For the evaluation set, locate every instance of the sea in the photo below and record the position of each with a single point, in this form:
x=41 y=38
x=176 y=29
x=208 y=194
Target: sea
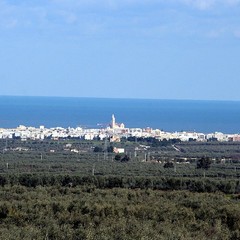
x=166 y=115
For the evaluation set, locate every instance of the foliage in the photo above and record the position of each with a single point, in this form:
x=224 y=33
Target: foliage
x=126 y=158
x=117 y=157
x=153 y=141
x=109 y=182
x=86 y=212
x=121 y=158
x=168 y=165
x=204 y=163
x=97 y=149
x=50 y=192
x=110 y=149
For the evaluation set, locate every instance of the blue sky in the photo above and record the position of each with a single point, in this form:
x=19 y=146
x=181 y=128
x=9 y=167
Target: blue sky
x=164 y=49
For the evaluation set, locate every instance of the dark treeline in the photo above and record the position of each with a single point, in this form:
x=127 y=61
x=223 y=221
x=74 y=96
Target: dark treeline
x=153 y=141
x=109 y=182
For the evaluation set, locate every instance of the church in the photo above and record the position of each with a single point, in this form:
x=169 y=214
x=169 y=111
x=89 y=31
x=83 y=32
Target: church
x=114 y=125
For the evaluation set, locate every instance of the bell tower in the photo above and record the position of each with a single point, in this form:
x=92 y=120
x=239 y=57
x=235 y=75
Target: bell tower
x=113 y=125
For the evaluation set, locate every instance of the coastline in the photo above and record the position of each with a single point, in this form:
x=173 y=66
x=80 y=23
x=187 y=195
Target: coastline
x=114 y=132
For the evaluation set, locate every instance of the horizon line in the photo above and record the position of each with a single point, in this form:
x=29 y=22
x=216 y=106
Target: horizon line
x=123 y=98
